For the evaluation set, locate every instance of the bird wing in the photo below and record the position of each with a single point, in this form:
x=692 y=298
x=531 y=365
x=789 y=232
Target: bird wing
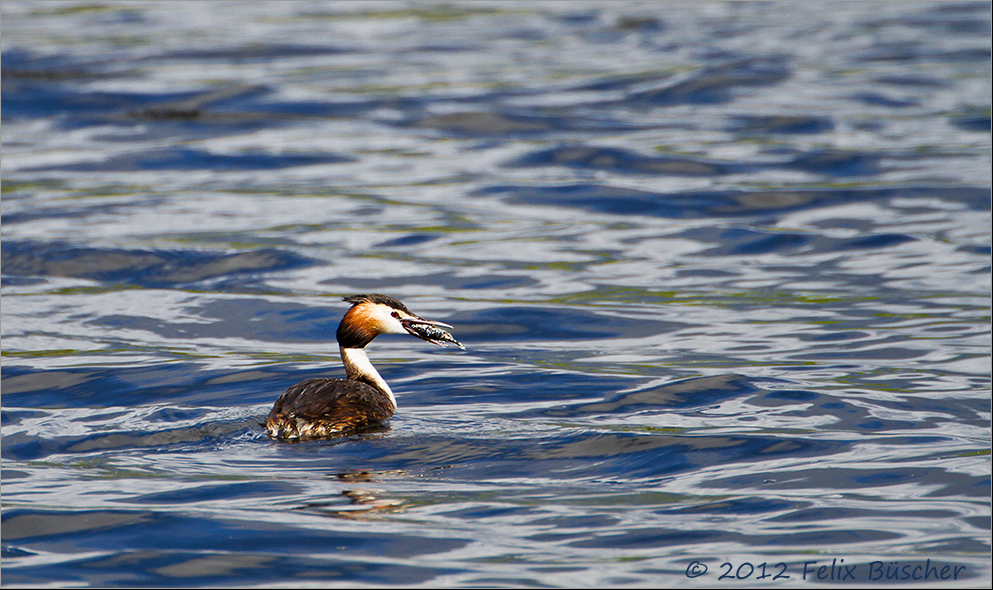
x=326 y=407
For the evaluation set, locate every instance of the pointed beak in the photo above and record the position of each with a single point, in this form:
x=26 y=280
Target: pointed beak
x=430 y=331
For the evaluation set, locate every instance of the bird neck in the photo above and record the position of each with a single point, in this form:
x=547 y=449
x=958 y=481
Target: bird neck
x=359 y=368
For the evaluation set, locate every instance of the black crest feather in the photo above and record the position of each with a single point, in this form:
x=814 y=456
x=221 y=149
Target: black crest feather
x=376 y=298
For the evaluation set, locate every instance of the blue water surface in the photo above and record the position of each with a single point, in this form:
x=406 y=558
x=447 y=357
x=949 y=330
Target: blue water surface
x=722 y=272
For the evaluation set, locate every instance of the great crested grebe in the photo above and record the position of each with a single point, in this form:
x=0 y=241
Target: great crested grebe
x=322 y=407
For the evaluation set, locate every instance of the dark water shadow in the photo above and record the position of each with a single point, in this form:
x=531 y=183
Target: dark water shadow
x=614 y=200
x=257 y=319
x=830 y=163
x=762 y=125
x=498 y=122
x=141 y=268
x=700 y=392
x=180 y=158
x=552 y=323
x=21 y=446
x=158 y=557
x=623 y=161
x=177 y=382
x=577 y=453
x=715 y=84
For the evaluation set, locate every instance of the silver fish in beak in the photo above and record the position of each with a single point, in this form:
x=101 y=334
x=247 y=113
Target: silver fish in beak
x=433 y=332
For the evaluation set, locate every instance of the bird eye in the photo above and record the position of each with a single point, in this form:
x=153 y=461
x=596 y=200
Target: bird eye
x=396 y=315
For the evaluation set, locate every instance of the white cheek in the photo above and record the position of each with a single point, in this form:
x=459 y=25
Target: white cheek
x=387 y=323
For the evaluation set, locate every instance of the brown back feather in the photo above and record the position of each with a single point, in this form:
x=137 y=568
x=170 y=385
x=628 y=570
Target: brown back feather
x=326 y=407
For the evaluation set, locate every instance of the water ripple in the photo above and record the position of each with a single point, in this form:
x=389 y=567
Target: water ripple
x=722 y=272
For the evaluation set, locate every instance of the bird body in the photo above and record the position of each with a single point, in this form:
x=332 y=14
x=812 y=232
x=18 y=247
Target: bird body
x=319 y=408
